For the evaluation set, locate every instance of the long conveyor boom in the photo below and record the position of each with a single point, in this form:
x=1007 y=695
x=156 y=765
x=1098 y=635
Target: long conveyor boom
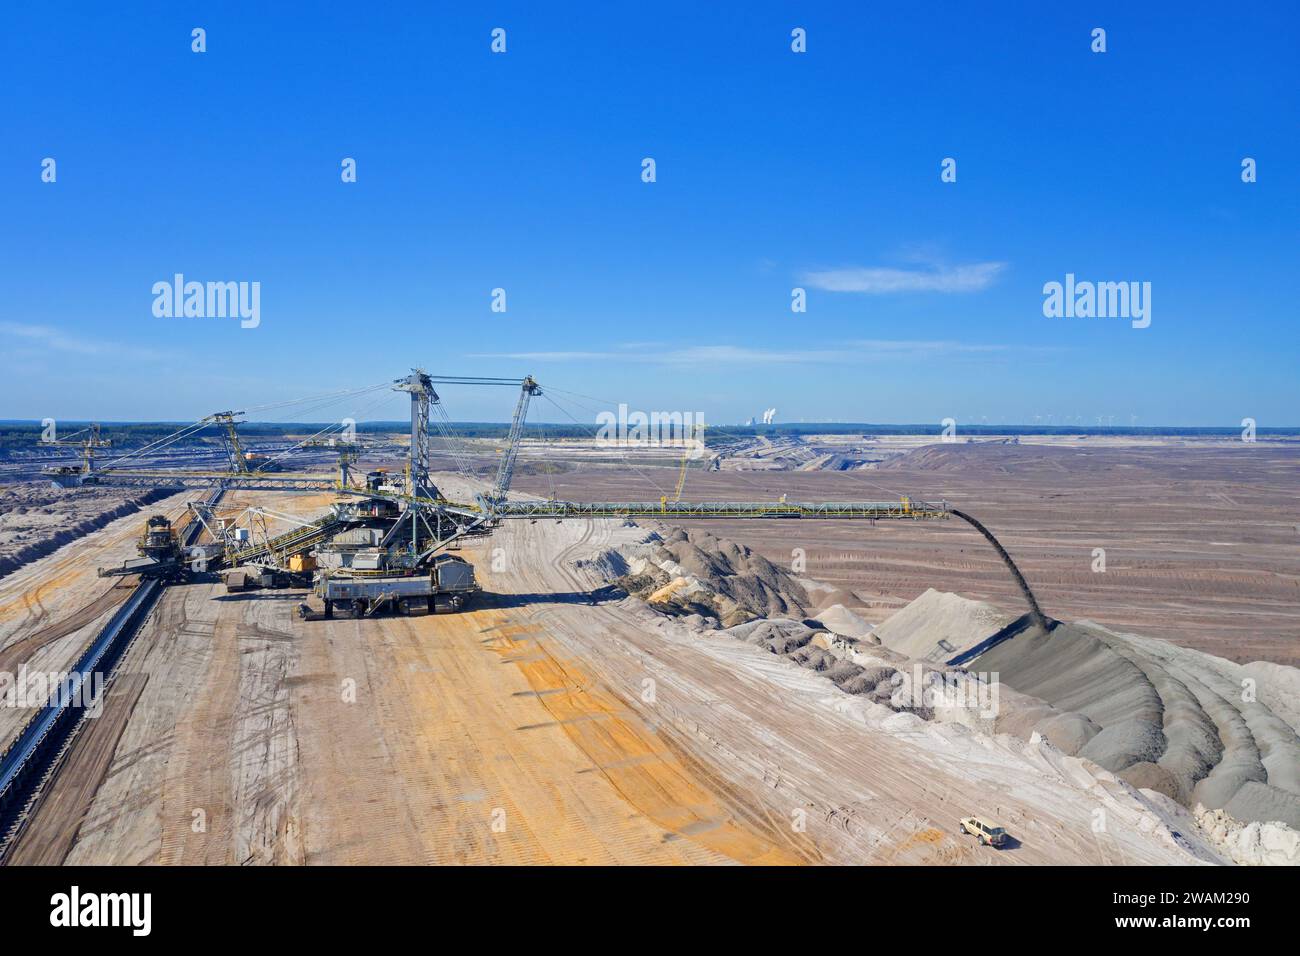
x=903 y=508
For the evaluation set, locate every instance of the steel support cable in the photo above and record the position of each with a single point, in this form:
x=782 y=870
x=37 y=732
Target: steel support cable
x=333 y=426
x=305 y=413
x=331 y=400
x=312 y=398
x=546 y=465
x=188 y=431
x=622 y=451
x=461 y=456
x=473 y=380
x=444 y=425
x=172 y=440
x=591 y=398
x=159 y=444
x=167 y=440
x=317 y=405
x=545 y=459
x=72 y=435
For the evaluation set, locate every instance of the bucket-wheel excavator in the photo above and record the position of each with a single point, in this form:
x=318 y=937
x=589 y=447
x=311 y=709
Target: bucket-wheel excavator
x=386 y=546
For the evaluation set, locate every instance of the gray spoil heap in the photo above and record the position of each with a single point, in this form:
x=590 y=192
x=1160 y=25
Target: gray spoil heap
x=720 y=579
x=1196 y=728
x=1181 y=722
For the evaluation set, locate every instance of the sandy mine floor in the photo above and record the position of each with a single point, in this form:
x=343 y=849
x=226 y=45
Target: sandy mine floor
x=534 y=728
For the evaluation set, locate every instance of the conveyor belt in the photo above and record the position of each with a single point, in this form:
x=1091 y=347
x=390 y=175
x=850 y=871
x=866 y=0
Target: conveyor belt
x=295 y=540
x=873 y=510
x=33 y=756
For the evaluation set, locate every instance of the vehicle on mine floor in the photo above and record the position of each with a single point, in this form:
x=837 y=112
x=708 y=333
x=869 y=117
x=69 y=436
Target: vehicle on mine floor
x=446 y=587
x=990 y=834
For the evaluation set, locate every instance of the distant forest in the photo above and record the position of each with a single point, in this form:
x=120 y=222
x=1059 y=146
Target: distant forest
x=17 y=435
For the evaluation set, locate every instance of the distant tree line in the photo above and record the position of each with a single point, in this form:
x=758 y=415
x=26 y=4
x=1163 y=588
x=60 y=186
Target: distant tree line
x=16 y=435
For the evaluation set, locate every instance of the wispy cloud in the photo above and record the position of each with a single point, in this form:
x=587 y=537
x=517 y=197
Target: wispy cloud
x=878 y=280
x=855 y=351
x=51 y=339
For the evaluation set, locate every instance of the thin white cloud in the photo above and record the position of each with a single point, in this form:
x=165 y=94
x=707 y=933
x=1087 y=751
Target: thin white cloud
x=881 y=280
x=650 y=355
x=742 y=355
x=856 y=351
x=924 y=347
x=50 y=339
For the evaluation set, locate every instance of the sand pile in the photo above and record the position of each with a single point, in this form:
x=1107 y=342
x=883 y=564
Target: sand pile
x=924 y=690
x=925 y=700
x=1075 y=672
x=697 y=573
x=1194 y=728
x=837 y=643
x=1251 y=844
x=859 y=668
x=938 y=626
x=1187 y=724
x=1197 y=729
x=736 y=572
x=841 y=620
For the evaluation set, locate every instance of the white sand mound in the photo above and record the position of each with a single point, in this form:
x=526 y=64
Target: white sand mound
x=937 y=626
x=841 y=620
x=1251 y=844
x=1278 y=687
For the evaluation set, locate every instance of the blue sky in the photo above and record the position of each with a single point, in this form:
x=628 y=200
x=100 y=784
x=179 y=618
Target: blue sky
x=774 y=170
